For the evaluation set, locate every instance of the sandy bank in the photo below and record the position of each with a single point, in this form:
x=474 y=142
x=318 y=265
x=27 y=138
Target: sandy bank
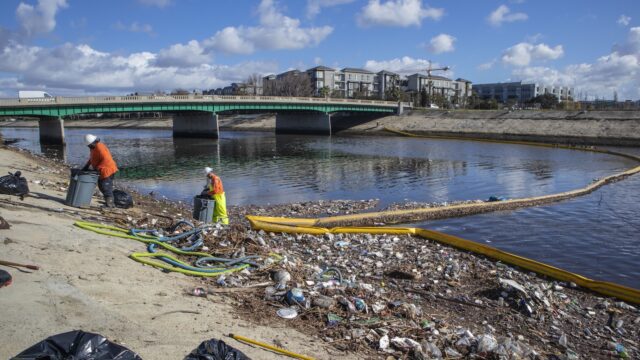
x=88 y=282
x=588 y=128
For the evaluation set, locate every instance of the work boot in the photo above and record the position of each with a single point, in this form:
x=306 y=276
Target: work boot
x=108 y=202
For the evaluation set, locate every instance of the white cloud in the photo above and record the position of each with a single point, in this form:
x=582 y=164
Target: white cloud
x=158 y=3
x=404 y=65
x=77 y=69
x=277 y=31
x=624 y=20
x=402 y=13
x=442 y=43
x=523 y=53
x=487 y=65
x=85 y=69
x=187 y=55
x=134 y=27
x=619 y=71
x=315 y=6
x=41 y=18
x=503 y=14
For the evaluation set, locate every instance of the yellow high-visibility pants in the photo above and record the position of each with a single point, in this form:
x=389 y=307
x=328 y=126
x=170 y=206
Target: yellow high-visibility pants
x=220 y=209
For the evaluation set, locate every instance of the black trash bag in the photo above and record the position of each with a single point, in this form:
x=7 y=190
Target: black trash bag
x=216 y=350
x=122 y=199
x=77 y=345
x=14 y=184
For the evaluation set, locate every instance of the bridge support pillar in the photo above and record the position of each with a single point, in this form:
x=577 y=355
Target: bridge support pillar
x=51 y=131
x=303 y=123
x=195 y=125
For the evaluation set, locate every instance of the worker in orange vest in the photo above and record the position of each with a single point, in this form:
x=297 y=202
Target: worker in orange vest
x=100 y=159
x=215 y=189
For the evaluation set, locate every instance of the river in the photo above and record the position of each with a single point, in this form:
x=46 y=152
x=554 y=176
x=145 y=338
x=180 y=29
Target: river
x=595 y=235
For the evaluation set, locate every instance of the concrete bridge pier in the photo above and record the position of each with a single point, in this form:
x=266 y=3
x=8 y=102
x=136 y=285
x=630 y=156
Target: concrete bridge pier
x=51 y=130
x=303 y=123
x=195 y=124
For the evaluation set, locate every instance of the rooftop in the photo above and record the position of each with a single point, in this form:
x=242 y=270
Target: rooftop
x=432 y=77
x=385 y=72
x=321 y=67
x=356 y=70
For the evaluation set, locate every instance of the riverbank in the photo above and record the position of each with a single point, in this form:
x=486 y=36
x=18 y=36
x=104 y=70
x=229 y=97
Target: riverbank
x=617 y=128
x=416 y=291
x=87 y=281
x=262 y=122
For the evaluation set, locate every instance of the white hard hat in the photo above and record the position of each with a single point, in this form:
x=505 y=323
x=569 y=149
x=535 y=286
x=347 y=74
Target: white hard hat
x=207 y=170
x=89 y=139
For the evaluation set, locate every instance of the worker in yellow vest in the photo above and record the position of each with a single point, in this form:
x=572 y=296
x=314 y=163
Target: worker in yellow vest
x=215 y=189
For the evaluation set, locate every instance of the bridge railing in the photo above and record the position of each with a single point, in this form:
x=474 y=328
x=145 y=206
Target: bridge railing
x=58 y=100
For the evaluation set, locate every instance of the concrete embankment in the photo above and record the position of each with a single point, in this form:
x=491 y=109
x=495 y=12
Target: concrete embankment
x=261 y=122
x=568 y=127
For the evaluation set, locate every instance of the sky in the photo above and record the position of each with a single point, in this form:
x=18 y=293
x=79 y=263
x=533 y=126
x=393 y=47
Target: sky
x=91 y=47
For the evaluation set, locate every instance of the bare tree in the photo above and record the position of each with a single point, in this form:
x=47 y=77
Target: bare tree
x=294 y=85
x=253 y=79
x=180 y=92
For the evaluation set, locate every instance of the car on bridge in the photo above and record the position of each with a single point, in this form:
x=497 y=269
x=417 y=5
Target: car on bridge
x=34 y=96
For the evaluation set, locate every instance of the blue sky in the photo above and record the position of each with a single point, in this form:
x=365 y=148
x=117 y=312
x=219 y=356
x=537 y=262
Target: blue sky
x=73 y=47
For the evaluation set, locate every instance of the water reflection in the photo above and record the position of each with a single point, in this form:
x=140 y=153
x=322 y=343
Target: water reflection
x=260 y=168
x=58 y=152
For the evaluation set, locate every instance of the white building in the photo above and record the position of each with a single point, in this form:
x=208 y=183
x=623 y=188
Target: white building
x=520 y=92
x=455 y=91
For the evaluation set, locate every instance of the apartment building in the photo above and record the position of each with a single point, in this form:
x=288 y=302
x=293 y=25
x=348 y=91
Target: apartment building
x=321 y=77
x=385 y=81
x=520 y=92
x=357 y=81
x=455 y=91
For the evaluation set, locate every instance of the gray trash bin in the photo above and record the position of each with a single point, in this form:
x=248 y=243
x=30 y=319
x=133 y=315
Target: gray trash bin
x=203 y=208
x=81 y=187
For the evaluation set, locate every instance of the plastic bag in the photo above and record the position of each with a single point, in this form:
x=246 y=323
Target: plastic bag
x=122 y=199
x=77 y=345
x=216 y=350
x=14 y=184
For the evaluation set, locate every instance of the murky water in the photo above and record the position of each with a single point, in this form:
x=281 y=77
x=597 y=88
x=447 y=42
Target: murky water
x=594 y=235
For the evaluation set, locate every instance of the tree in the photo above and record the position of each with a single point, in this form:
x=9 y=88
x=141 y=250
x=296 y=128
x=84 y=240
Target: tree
x=337 y=93
x=180 y=91
x=546 y=101
x=325 y=91
x=295 y=84
x=393 y=94
x=424 y=97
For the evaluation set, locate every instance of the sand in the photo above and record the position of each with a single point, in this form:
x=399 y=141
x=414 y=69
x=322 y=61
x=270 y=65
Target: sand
x=87 y=282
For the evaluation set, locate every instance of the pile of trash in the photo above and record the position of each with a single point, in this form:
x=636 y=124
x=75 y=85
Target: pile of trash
x=306 y=209
x=409 y=297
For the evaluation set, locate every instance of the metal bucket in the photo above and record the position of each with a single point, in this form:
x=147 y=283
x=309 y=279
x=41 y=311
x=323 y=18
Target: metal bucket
x=81 y=187
x=203 y=208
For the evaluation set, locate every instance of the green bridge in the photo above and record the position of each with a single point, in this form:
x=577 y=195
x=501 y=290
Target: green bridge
x=197 y=115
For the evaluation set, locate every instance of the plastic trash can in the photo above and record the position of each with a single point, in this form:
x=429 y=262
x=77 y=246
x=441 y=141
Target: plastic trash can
x=81 y=187
x=203 y=208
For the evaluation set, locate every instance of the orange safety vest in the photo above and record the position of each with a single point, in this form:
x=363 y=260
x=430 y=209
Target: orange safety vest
x=215 y=187
x=101 y=160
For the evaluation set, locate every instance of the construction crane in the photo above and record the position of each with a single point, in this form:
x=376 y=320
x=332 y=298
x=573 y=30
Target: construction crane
x=429 y=81
x=430 y=69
